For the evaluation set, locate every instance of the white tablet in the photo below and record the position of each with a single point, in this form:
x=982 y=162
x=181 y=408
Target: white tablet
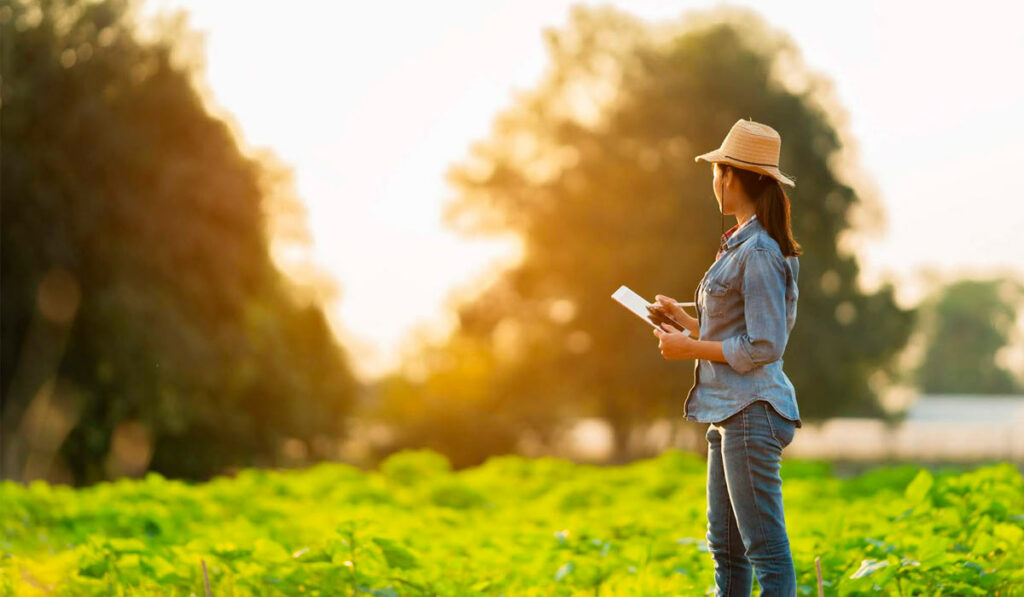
x=638 y=306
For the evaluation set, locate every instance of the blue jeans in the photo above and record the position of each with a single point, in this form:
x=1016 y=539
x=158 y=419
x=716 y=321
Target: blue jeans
x=746 y=524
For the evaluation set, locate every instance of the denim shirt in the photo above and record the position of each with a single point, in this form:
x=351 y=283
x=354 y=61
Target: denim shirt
x=747 y=300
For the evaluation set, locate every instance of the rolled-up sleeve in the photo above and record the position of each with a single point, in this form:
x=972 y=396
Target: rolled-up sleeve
x=764 y=298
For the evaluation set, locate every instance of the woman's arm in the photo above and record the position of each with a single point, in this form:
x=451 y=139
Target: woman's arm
x=709 y=350
x=677 y=345
x=691 y=323
x=668 y=306
x=764 y=298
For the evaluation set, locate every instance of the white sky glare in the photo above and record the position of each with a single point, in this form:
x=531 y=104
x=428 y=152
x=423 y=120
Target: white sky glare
x=370 y=103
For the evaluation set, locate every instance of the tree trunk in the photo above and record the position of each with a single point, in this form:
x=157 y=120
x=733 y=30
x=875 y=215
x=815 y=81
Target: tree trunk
x=621 y=448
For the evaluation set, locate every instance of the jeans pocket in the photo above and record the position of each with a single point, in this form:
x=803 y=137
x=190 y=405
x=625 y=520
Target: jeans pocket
x=782 y=428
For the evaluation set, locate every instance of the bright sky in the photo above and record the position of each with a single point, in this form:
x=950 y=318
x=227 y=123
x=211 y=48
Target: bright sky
x=369 y=103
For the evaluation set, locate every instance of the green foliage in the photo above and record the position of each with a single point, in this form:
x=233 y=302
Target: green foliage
x=964 y=324
x=410 y=467
x=534 y=527
x=136 y=262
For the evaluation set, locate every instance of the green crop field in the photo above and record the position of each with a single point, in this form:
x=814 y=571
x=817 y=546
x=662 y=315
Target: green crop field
x=513 y=526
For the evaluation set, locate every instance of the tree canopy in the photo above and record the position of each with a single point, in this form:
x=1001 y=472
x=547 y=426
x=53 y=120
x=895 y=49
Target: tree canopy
x=593 y=170
x=138 y=286
x=964 y=325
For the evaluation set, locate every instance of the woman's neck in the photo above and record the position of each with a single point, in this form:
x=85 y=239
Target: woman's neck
x=742 y=218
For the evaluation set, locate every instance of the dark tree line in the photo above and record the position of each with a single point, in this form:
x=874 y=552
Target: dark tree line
x=137 y=280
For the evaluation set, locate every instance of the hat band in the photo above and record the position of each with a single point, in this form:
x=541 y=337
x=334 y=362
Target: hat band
x=753 y=163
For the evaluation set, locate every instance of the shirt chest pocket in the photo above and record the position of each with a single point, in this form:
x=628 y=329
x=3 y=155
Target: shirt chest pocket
x=717 y=297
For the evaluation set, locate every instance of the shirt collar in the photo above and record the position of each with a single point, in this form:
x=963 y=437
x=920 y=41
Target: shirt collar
x=743 y=232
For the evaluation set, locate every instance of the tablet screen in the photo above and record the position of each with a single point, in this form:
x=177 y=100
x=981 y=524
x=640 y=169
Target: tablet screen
x=637 y=305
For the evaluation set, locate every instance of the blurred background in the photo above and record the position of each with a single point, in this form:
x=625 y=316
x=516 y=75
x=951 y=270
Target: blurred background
x=255 y=235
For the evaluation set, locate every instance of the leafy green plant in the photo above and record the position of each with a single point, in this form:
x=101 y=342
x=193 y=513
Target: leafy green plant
x=512 y=526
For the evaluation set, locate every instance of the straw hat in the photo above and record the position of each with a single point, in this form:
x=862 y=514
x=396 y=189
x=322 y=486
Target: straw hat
x=751 y=146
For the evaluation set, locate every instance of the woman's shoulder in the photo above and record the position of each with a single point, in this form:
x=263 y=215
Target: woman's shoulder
x=764 y=243
x=762 y=240
x=763 y=251
x=768 y=249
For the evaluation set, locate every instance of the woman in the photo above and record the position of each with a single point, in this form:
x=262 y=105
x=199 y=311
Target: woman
x=746 y=307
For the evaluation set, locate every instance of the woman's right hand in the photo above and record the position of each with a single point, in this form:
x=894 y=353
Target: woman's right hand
x=668 y=306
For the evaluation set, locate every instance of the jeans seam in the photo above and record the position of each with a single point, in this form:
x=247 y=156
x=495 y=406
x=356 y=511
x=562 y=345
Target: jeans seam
x=750 y=478
x=728 y=544
x=728 y=523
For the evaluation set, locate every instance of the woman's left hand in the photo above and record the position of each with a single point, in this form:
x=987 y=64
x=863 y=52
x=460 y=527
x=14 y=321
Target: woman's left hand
x=676 y=345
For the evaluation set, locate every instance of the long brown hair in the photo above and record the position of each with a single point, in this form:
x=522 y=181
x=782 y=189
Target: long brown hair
x=771 y=204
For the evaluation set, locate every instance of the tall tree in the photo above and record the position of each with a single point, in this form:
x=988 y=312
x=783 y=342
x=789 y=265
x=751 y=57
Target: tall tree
x=593 y=170
x=965 y=324
x=138 y=286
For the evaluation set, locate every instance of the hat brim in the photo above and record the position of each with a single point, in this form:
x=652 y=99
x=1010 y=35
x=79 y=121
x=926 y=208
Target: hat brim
x=719 y=156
